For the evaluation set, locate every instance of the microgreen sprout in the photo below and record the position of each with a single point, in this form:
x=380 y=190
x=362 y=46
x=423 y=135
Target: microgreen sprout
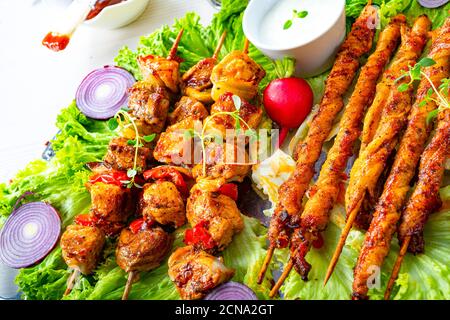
x=439 y=95
x=295 y=15
x=123 y=119
x=206 y=137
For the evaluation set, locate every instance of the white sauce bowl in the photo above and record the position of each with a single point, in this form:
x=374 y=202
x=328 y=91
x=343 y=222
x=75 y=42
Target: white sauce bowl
x=118 y=15
x=314 y=50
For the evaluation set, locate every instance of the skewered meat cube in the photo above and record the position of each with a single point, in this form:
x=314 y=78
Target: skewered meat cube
x=196 y=82
x=81 y=247
x=249 y=113
x=164 y=69
x=161 y=201
x=196 y=272
x=120 y=155
x=236 y=73
x=218 y=214
x=111 y=202
x=173 y=146
x=188 y=107
x=223 y=161
x=144 y=250
x=149 y=102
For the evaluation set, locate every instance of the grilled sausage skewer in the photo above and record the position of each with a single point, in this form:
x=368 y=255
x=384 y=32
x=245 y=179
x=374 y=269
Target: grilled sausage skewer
x=315 y=216
x=425 y=198
x=367 y=168
x=289 y=207
x=388 y=210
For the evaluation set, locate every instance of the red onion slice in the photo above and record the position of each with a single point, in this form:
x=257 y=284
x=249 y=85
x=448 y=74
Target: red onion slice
x=432 y=3
x=103 y=92
x=232 y=291
x=29 y=234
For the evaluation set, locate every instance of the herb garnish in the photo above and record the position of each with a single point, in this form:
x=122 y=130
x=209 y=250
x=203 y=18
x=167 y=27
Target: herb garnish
x=439 y=95
x=123 y=119
x=295 y=14
x=206 y=138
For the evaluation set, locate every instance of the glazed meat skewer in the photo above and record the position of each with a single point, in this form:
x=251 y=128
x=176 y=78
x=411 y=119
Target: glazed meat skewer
x=315 y=216
x=425 y=198
x=288 y=209
x=388 y=210
x=371 y=162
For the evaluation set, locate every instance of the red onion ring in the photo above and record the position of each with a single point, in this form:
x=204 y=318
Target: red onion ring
x=232 y=291
x=103 y=92
x=432 y=3
x=29 y=234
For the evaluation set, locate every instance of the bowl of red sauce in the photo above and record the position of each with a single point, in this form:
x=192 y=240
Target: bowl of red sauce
x=113 y=14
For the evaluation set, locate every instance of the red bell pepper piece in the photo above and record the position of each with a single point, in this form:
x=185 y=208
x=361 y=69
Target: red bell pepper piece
x=229 y=190
x=199 y=235
x=168 y=174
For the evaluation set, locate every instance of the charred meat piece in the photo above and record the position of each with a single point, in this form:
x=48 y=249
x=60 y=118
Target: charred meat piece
x=174 y=147
x=149 y=102
x=219 y=215
x=111 y=202
x=120 y=155
x=144 y=250
x=226 y=161
x=164 y=69
x=188 y=107
x=81 y=247
x=196 y=82
x=249 y=113
x=196 y=272
x=162 y=202
x=236 y=73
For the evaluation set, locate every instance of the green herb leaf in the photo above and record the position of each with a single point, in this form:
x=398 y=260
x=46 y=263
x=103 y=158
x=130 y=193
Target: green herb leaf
x=237 y=102
x=302 y=14
x=113 y=124
x=149 y=138
x=131 y=173
x=426 y=62
x=131 y=142
x=432 y=115
x=403 y=87
x=415 y=72
x=423 y=103
x=287 y=24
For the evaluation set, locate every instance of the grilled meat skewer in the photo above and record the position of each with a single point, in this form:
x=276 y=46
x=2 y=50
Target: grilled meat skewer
x=425 y=198
x=291 y=192
x=371 y=162
x=388 y=210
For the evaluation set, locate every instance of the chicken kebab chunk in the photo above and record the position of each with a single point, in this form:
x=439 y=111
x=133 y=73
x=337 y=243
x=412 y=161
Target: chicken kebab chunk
x=289 y=207
x=196 y=82
x=148 y=103
x=388 y=210
x=196 y=272
x=215 y=216
x=141 y=248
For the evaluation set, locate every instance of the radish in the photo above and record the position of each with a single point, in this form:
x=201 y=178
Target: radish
x=288 y=101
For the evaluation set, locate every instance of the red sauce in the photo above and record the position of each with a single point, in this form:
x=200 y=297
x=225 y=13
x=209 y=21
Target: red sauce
x=56 y=41
x=99 y=6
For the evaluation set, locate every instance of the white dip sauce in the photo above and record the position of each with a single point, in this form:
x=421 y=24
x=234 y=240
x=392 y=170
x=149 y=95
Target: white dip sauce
x=322 y=14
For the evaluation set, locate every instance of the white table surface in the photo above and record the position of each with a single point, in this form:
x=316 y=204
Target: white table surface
x=35 y=83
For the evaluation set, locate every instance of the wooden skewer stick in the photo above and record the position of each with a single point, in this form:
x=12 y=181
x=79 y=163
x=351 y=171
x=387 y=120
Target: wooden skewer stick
x=337 y=252
x=282 y=278
x=173 y=50
x=266 y=263
x=130 y=280
x=219 y=45
x=396 y=269
x=246 y=44
x=71 y=281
